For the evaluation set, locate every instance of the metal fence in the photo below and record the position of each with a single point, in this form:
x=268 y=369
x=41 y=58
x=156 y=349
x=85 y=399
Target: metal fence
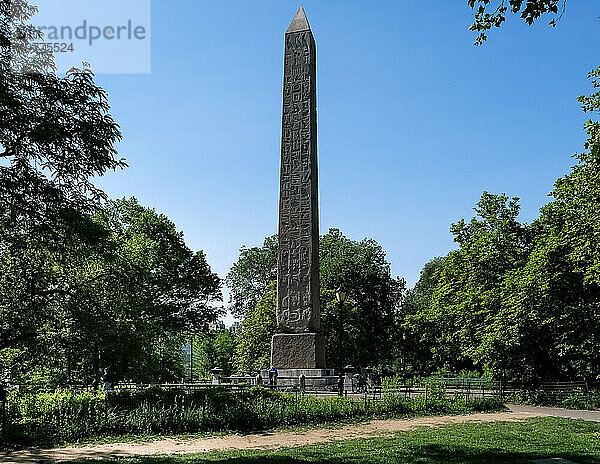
x=128 y=397
x=570 y=394
x=27 y=417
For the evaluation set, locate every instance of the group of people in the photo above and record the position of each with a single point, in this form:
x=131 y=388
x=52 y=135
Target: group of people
x=106 y=381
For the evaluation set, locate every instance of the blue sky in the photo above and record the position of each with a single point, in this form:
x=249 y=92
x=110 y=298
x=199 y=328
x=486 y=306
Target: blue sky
x=414 y=120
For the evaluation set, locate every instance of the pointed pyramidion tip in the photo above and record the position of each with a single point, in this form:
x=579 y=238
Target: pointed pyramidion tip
x=299 y=23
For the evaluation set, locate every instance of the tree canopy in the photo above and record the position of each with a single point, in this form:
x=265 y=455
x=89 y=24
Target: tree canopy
x=56 y=134
x=84 y=283
x=126 y=305
x=250 y=276
x=253 y=341
x=515 y=299
x=369 y=314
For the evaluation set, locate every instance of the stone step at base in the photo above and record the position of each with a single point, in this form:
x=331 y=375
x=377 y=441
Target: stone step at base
x=313 y=377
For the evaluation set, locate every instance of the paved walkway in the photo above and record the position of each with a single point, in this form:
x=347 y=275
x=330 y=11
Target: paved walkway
x=259 y=441
x=593 y=416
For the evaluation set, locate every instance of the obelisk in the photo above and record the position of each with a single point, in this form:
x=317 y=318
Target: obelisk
x=298 y=345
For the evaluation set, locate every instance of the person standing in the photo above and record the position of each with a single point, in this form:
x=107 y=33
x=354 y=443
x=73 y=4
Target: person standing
x=273 y=376
x=107 y=380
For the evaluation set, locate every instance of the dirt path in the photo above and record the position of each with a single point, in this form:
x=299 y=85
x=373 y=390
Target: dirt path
x=593 y=416
x=253 y=441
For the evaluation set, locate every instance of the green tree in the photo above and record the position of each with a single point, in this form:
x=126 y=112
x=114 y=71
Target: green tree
x=519 y=300
x=224 y=345
x=577 y=197
x=253 y=340
x=373 y=300
x=552 y=304
x=213 y=349
x=129 y=305
x=464 y=306
x=566 y=262
x=418 y=335
x=154 y=290
x=557 y=290
x=370 y=313
x=251 y=275
x=56 y=134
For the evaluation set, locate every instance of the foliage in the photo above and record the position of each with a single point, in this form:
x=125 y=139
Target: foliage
x=213 y=349
x=490 y=14
x=176 y=285
x=466 y=304
x=251 y=275
x=127 y=304
x=577 y=197
x=56 y=134
x=151 y=290
x=517 y=300
x=415 y=345
x=253 y=341
x=579 y=398
x=372 y=303
x=369 y=314
x=66 y=415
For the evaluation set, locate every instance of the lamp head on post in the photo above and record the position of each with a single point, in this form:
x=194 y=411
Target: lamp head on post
x=340 y=295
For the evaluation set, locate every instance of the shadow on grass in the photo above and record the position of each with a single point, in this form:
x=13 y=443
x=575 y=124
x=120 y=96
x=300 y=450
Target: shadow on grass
x=424 y=454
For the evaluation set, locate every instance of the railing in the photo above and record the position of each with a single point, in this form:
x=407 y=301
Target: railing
x=32 y=418
x=327 y=384
x=570 y=394
x=551 y=393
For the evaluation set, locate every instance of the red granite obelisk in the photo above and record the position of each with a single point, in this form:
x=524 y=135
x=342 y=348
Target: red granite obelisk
x=299 y=345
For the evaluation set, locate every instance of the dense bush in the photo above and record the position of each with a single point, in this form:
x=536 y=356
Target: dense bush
x=45 y=418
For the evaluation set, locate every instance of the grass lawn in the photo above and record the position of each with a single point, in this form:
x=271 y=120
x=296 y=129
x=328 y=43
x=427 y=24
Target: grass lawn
x=500 y=442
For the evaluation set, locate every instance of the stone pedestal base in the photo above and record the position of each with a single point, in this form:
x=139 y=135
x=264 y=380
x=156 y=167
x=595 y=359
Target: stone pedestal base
x=298 y=351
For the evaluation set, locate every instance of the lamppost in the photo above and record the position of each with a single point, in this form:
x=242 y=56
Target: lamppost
x=340 y=296
x=68 y=330
x=191 y=359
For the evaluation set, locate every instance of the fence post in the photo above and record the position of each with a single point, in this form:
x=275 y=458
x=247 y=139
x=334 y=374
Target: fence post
x=3 y=411
x=589 y=396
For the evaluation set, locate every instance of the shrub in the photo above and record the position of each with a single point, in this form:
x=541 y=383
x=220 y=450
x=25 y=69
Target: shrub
x=574 y=399
x=62 y=415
